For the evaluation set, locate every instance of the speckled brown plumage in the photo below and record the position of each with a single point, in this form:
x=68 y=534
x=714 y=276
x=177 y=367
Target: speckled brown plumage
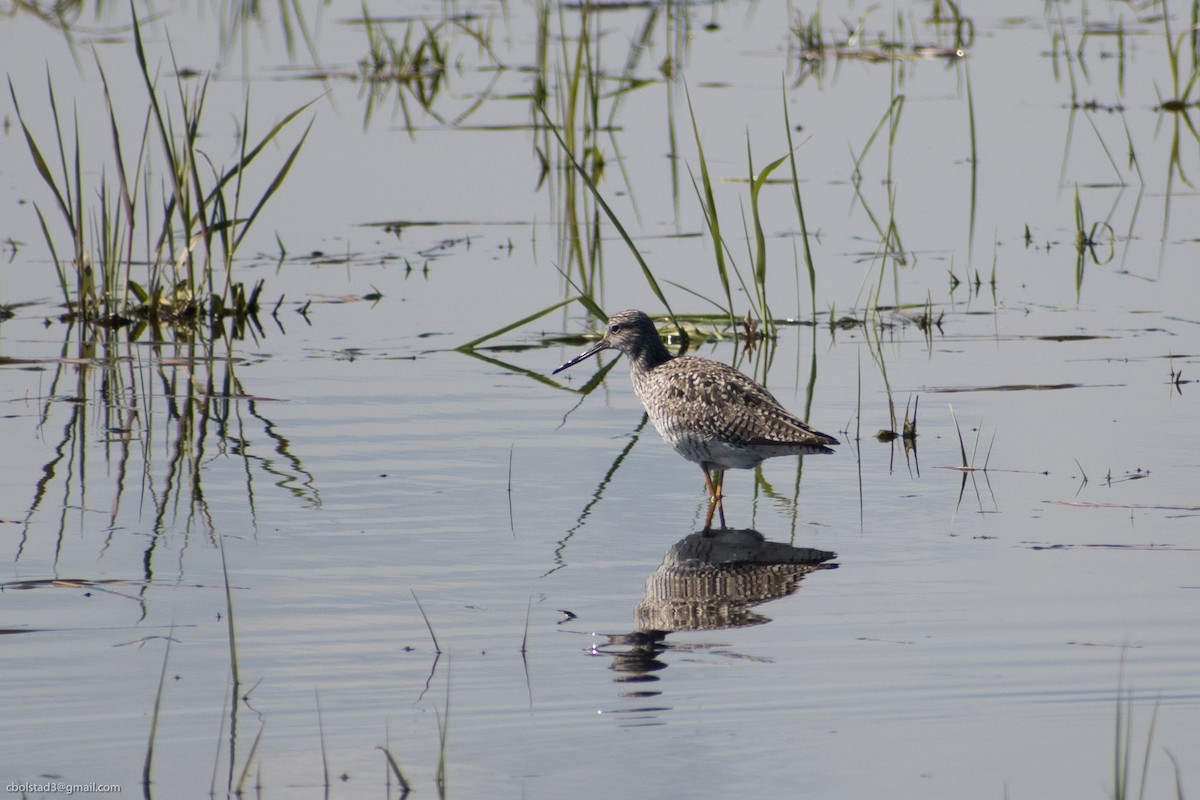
x=709 y=412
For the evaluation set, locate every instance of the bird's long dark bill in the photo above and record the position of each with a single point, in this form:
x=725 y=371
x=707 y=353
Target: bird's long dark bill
x=591 y=351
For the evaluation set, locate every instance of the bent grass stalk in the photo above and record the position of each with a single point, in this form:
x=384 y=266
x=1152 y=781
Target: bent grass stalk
x=436 y=648
x=405 y=786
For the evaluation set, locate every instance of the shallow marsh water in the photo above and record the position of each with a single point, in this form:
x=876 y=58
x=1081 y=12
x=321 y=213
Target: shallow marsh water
x=976 y=634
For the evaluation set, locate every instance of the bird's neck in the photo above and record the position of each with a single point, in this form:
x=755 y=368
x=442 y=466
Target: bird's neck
x=648 y=355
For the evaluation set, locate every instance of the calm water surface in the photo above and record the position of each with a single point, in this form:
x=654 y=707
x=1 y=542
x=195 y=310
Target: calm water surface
x=977 y=638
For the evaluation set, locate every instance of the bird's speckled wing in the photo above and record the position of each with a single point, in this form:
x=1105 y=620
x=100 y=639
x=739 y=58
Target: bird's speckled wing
x=712 y=399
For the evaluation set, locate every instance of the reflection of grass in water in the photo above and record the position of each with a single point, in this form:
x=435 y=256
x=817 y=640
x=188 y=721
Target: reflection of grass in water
x=237 y=15
x=237 y=788
x=1174 y=99
x=953 y=34
x=568 y=135
x=416 y=66
x=1179 y=104
x=574 y=123
x=575 y=102
x=202 y=221
x=233 y=18
x=1089 y=241
x=1180 y=94
x=201 y=228
x=185 y=400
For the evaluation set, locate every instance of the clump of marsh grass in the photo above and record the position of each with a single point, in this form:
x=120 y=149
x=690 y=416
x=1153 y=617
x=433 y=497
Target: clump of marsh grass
x=568 y=121
x=583 y=170
x=754 y=289
x=568 y=97
x=185 y=276
x=589 y=181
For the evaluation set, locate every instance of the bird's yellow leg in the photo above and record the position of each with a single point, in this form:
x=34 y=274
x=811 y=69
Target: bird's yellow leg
x=712 y=499
x=714 y=496
x=720 y=487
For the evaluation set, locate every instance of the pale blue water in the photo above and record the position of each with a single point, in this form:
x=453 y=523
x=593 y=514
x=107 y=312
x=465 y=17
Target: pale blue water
x=966 y=645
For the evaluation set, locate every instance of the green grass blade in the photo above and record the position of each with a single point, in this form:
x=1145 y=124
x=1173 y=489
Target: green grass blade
x=122 y=184
x=253 y=152
x=233 y=660
x=162 y=680
x=471 y=345
x=166 y=138
x=890 y=117
x=709 y=206
x=808 y=259
x=58 y=267
x=274 y=186
x=760 y=241
x=38 y=161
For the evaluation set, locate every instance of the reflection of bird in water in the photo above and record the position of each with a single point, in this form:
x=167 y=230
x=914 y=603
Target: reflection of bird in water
x=709 y=412
x=708 y=581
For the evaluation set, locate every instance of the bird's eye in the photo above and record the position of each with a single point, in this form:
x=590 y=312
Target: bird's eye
x=615 y=328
